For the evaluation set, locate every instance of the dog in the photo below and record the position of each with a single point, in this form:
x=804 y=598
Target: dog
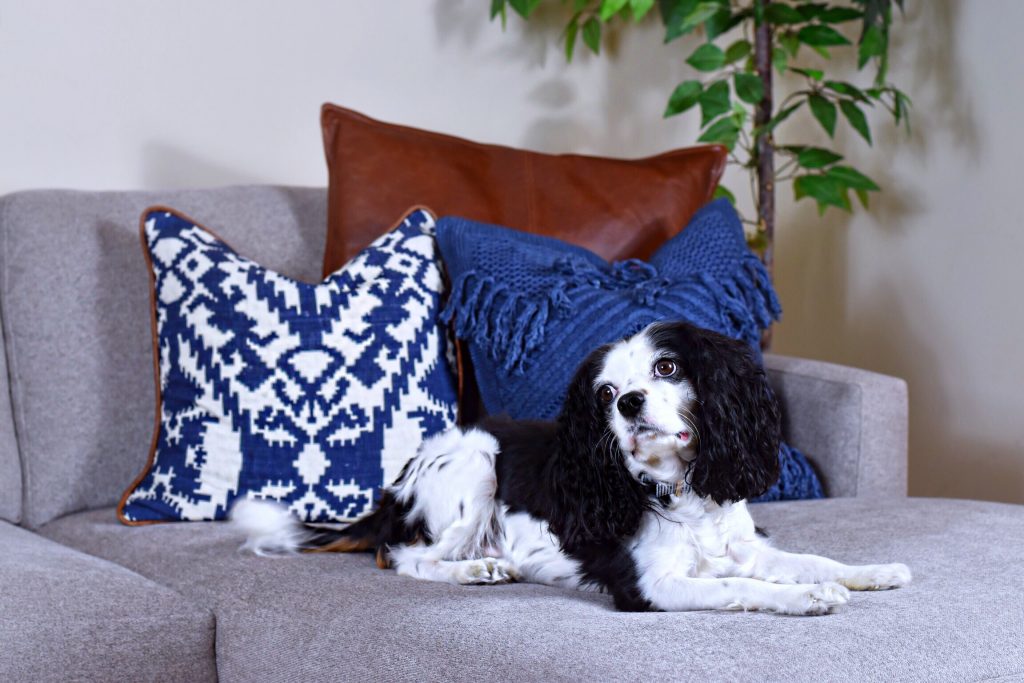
x=638 y=489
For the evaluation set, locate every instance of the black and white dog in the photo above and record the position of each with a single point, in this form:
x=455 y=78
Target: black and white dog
x=638 y=489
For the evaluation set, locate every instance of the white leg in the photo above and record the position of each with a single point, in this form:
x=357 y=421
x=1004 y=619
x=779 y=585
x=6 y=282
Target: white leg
x=678 y=593
x=424 y=562
x=779 y=566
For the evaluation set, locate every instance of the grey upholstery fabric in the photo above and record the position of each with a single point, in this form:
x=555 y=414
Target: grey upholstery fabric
x=67 y=616
x=332 y=617
x=10 y=463
x=851 y=423
x=75 y=299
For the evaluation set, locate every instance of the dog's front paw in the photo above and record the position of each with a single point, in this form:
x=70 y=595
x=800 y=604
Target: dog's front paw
x=817 y=599
x=876 y=577
x=486 y=570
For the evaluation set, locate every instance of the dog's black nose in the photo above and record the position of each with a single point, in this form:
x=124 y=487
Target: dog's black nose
x=631 y=403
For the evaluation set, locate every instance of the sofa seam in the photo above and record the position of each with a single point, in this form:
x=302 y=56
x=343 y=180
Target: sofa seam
x=860 y=440
x=16 y=417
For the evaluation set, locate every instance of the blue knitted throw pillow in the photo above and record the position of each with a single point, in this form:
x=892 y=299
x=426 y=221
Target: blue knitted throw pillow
x=312 y=395
x=531 y=308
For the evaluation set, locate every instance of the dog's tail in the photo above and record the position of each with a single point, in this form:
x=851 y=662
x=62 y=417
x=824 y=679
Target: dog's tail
x=270 y=529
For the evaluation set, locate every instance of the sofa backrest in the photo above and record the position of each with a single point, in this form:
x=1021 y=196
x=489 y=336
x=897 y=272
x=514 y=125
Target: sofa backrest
x=74 y=295
x=10 y=464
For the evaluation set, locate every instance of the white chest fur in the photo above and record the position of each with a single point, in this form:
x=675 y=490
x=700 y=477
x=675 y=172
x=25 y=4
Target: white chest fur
x=695 y=537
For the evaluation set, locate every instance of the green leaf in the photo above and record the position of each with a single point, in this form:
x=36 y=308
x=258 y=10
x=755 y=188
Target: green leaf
x=817 y=35
x=683 y=97
x=824 y=111
x=852 y=178
x=856 y=118
x=872 y=44
x=779 y=118
x=724 y=131
x=724 y=192
x=739 y=114
x=687 y=15
x=779 y=59
x=816 y=157
x=813 y=74
x=837 y=15
x=790 y=43
x=592 y=35
x=811 y=10
x=862 y=195
x=778 y=13
x=707 y=57
x=846 y=89
x=673 y=15
x=702 y=13
x=524 y=7
x=570 y=37
x=823 y=189
x=737 y=51
x=720 y=22
x=609 y=8
x=749 y=88
x=498 y=8
x=902 y=108
x=640 y=8
x=823 y=51
x=713 y=102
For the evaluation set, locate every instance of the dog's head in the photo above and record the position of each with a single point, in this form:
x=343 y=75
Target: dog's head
x=675 y=403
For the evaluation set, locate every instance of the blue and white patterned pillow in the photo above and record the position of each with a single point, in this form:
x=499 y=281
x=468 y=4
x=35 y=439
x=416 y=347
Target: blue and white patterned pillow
x=312 y=395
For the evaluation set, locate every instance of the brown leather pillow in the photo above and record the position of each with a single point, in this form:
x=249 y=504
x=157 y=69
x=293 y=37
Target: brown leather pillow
x=616 y=208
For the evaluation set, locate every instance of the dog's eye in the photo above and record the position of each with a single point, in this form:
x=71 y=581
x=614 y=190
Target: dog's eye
x=664 y=368
x=606 y=393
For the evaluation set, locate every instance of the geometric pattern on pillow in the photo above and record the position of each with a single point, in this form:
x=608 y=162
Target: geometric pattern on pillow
x=270 y=388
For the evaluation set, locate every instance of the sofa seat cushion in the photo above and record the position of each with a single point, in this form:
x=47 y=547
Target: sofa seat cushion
x=67 y=616
x=325 y=617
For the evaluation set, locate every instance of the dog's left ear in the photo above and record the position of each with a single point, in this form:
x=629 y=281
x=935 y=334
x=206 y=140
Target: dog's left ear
x=740 y=425
x=595 y=499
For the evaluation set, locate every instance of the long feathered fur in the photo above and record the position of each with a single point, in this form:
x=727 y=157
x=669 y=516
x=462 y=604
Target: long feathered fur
x=735 y=409
x=594 y=497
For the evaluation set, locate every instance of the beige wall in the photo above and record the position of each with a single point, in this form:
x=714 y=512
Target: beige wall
x=105 y=94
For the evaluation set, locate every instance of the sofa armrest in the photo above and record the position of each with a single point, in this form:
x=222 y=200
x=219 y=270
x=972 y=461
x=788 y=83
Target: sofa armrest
x=851 y=423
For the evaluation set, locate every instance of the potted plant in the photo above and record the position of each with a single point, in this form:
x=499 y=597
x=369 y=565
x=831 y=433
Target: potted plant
x=742 y=43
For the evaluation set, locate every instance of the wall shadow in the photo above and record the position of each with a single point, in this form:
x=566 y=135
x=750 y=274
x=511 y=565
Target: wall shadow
x=168 y=166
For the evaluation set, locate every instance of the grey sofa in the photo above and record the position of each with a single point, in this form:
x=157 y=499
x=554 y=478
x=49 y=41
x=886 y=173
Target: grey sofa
x=84 y=598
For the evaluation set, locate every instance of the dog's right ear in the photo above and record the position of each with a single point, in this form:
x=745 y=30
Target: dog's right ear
x=595 y=498
x=738 y=415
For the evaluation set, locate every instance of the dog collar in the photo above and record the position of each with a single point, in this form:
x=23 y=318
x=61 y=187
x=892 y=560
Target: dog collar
x=664 y=490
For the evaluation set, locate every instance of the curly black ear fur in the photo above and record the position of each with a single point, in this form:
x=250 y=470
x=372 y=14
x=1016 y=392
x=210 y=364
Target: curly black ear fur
x=594 y=497
x=739 y=423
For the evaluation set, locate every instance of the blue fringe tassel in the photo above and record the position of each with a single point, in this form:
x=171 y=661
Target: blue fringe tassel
x=797 y=480
x=508 y=324
x=511 y=325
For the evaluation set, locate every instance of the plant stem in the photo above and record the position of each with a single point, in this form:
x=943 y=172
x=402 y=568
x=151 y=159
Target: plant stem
x=764 y=148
